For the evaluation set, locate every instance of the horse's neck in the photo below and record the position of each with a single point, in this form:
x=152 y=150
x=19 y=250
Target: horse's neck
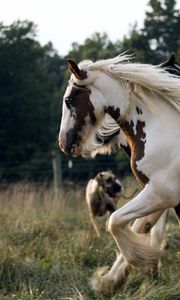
x=128 y=118
x=141 y=124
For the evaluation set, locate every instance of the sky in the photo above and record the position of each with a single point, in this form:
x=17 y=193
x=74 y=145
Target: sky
x=63 y=22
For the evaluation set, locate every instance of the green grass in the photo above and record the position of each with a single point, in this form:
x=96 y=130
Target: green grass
x=48 y=249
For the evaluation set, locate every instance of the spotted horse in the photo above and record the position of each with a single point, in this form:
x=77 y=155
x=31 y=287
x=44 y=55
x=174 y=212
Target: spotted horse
x=141 y=103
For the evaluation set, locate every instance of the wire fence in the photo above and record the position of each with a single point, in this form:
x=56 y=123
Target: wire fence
x=59 y=169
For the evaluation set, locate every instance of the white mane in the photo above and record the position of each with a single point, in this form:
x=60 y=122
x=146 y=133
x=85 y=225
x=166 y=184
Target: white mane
x=141 y=79
x=96 y=142
x=144 y=81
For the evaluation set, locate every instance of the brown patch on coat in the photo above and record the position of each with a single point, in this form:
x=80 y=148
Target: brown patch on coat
x=79 y=104
x=113 y=112
x=139 y=111
x=80 y=101
x=137 y=144
x=135 y=141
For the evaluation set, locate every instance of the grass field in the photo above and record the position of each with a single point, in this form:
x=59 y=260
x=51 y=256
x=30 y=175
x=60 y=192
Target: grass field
x=48 y=249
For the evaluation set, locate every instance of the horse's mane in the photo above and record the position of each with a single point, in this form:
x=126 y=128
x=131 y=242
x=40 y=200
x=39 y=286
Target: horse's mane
x=141 y=79
x=107 y=138
x=144 y=82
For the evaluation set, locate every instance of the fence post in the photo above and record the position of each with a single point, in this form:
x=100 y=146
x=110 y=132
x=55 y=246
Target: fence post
x=57 y=171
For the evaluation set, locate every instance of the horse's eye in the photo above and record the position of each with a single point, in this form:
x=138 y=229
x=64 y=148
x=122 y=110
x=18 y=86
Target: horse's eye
x=68 y=101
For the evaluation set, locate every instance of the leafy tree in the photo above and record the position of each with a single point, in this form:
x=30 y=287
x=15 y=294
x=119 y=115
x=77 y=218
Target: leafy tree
x=28 y=87
x=98 y=46
x=33 y=80
x=161 y=28
x=137 y=43
x=159 y=36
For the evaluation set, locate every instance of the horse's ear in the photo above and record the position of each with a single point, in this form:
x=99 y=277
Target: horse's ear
x=73 y=68
x=172 y=59
x=170 y=62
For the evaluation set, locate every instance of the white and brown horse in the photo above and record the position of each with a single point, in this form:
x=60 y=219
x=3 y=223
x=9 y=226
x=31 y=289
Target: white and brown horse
x=143 y=101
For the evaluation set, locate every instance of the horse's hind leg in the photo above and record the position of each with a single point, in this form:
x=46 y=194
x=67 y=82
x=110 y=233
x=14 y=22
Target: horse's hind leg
x=119 y=271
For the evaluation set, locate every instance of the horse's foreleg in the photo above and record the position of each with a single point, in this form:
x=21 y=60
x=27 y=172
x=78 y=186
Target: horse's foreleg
x=158 y=231
x=135 y=248
x=156 y=225
x=107 y=283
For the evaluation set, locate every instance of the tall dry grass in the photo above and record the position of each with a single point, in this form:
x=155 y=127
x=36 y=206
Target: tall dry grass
x=48 y=249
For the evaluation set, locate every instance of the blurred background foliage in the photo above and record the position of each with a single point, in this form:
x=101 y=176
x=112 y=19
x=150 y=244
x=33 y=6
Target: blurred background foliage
x=33 y=80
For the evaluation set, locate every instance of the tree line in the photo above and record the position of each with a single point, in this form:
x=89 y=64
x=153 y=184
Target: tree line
x=33 y=80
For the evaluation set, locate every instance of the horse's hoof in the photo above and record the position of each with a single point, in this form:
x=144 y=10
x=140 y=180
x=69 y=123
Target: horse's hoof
x=101 y=282
x=153 y=274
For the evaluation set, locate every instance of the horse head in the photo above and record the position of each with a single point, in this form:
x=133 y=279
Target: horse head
x=106 y=96
x=77 y=111
x=82 y=113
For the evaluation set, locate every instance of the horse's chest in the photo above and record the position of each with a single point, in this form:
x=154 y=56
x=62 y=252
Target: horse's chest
x=139 y=174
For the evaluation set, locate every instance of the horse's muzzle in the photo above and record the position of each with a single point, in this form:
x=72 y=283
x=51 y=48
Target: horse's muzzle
x=61 y=145
x=62 y=142
x=74 y=149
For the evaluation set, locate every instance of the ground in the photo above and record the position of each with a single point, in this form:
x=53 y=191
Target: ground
x=49 y=250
